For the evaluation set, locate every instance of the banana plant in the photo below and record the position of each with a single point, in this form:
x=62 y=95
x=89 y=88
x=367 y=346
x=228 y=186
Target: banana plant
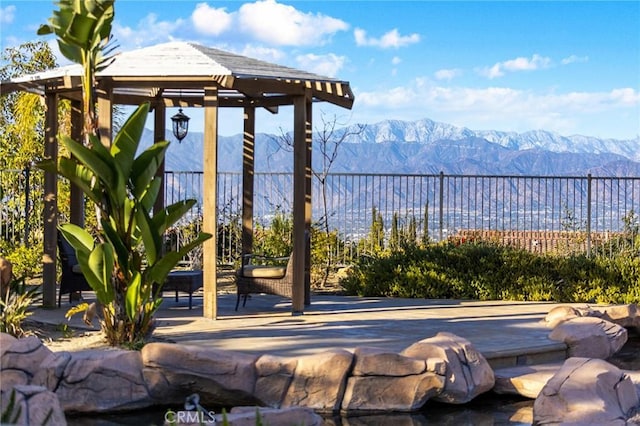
x=83 y=32
x=125 y=261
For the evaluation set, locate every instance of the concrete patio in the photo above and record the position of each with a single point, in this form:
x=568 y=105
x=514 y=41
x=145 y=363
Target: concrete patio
x=507 y=333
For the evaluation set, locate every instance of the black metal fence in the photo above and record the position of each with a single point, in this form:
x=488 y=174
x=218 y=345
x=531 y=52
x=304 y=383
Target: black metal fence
x=539 y=213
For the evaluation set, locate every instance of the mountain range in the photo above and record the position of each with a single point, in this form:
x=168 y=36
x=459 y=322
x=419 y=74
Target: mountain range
x=429 y=147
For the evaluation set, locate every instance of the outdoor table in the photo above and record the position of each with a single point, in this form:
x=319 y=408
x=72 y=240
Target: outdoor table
x=185 y=281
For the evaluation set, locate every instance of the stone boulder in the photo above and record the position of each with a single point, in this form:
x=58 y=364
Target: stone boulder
x=273 y=377
x=6 y=340
x=468 y=373
x=20 y=360
x=560 y=314
x=319 y=381
x=6 y=275
x=387 y=381
x=626 y=316
x=222 y=378
x=95 y=381
x=590 y=337
x=586 y=391
x=525 y=380
x=32 y=405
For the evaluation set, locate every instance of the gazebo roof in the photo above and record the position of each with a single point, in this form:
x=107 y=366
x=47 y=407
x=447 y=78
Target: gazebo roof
x=178 y=72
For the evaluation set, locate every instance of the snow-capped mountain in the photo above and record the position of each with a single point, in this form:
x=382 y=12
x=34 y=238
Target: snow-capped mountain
x=426 y=147
x=428 y=131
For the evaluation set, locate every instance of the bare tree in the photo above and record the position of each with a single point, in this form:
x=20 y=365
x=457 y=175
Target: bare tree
x=327 y=138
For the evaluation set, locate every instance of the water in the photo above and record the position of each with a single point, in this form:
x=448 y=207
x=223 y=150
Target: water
x=486 y=410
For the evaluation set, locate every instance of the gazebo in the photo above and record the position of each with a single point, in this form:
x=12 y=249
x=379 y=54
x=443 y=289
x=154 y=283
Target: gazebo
x=190 y=75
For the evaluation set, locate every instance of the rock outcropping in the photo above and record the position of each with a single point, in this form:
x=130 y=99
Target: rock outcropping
x=444 y=367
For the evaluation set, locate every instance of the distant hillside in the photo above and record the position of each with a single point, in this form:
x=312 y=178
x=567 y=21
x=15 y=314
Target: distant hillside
x=428 y=147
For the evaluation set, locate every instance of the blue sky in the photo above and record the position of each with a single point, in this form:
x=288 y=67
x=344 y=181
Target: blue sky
x=570 y=67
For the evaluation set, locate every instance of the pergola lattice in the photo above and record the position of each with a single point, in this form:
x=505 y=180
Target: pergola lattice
x=190 y=75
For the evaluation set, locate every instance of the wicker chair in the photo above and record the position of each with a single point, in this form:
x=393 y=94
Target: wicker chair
x=267 y=277
x=72 y=280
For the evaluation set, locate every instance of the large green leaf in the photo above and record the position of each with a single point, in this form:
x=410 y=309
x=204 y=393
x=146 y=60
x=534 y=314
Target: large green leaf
x=80 y=176
x=146 y=166
x=79 y=238
x=98 y=270
x=167 y=217
x=96 y=261
x=158 y=272
x=128 y=138
x=81 y=26
x=121 y=249
x=87 y=157
x=148 y=198
x=132 y=297
x=151 y=238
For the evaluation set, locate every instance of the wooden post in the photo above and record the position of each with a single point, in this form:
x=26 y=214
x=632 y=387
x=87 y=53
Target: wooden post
x=50 y=210
x=307 y=202
x=159 y=123
x=248 y=166
x=105 y=115
x=76 y=213
x=301 y=123
x=210 y=163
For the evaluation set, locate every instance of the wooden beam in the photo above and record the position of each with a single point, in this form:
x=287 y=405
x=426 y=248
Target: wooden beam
x=248 y=166
x=300 y=124
x=257 y=87
x=209 y=221
x=76 y=215
x=50 y=210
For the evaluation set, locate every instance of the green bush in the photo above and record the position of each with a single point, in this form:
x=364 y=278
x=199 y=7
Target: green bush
x=14 y=307
x=486 y=271
x=26 y=261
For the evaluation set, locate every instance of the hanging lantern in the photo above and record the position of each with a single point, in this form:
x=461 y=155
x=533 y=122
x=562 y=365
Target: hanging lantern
x=180 y=125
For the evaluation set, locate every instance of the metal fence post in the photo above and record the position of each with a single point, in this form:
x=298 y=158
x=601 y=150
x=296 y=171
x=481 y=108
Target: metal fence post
x=589 y=215
x=441 y=212
x=27 y=196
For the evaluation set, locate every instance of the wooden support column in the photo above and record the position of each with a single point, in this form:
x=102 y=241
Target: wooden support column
x=159 y=124
x=105 y=115
x=301 y=122
x=50 y=210
x=210 y=197
x=76 y=210
x=248 y=167
x=307 y=202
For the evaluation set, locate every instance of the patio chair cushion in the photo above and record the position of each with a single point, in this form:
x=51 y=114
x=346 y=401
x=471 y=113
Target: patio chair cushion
x=263 y=271
x=76 y=269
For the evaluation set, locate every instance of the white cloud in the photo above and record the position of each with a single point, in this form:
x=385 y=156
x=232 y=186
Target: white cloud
x=536 y=62
x=396 y=60
x=391 y=39
x=573 y=59
x=278 y=24
x=7 y=14
x=210 y=20
x=265 y=53
x=147 y=31
x=447 y=74
x=503 y=108
x=327 y=65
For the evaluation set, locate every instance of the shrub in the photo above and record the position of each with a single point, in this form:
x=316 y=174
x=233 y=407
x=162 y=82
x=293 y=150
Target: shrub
x=487 y=271
x=26 y=261
x=14 y=307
